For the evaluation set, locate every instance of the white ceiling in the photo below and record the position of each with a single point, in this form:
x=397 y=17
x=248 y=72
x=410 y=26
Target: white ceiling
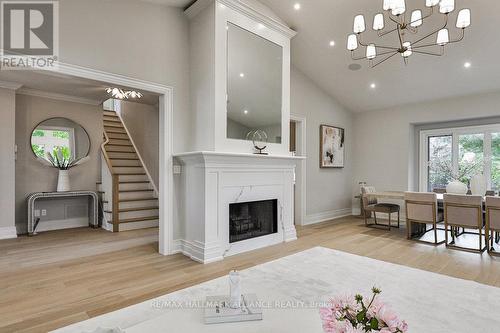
x=425 y=78
x=47 y=82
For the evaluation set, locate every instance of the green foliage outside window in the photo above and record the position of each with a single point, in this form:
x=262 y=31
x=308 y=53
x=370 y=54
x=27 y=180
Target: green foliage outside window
x=60 y=134
x=39 y=150
x=38 y=133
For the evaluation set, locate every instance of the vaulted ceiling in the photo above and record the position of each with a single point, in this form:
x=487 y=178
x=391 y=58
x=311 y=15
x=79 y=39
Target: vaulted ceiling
x=425 y=77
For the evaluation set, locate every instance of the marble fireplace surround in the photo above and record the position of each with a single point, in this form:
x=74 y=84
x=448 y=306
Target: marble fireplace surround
x=213 y=180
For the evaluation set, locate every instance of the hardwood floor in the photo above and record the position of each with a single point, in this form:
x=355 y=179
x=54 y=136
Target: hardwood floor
x=58 y=278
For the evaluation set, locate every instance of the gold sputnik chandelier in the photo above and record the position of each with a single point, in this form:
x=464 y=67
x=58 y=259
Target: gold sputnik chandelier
x=406 y=26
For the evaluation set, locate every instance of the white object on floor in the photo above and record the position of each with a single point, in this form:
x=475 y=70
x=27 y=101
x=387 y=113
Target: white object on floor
x=234 y=290
x=218 y=310
x=107 y=330
x=292 y=286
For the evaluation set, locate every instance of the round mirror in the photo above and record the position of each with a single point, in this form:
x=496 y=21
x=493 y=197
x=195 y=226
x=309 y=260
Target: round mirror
x=60 y=142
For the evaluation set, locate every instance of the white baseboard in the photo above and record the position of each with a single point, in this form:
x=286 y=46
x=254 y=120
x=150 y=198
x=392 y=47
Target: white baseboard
x=327 y=216
x=8 y=232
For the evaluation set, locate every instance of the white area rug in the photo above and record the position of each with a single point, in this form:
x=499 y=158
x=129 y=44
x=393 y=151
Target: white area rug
x=429 y=302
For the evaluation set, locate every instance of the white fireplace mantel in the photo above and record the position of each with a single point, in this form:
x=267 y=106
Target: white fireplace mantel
x=213 y=180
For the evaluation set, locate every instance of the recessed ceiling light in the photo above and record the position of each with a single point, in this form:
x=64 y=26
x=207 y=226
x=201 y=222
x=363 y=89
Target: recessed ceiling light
x=467 y=64
x=373 y=86
x=245 y=111
x=296 y=6
x=332 y=43
x=242 y=74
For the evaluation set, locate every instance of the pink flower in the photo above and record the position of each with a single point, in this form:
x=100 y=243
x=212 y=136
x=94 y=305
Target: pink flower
x=389 y=317
x=351 y=329
x=375 y=308
x=326 y=314
x=403 y=326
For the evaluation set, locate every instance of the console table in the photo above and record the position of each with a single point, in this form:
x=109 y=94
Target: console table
x=33 y=197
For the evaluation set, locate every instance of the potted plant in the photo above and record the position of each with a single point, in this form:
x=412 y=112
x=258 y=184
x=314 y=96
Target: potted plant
x=469 y=166
x=61 y=159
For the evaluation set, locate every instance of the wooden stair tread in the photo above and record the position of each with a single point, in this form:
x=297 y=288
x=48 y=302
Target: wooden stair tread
x=139 y=219
x=131 y=174
x=117 y=125
x=124 y=159
x=134 y=182
x=138 y=209
x=143 y=190
x=114 y=130
x=118 y=144
x=133 y=200
x=117 y=120
x=119 y=151
x=120 y=139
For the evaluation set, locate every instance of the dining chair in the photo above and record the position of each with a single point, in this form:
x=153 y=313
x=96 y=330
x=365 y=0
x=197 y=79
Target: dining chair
x=492 y=223
x=465 y=211
x=490 y=193
x=422 y=209
x=439 y=190
x=371 y=205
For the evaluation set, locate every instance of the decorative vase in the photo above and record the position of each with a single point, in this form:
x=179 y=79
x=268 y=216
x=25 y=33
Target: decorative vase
x=456 y=187
x=478 y=184
x=63 y=181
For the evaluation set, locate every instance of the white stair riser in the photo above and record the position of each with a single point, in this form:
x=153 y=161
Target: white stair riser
x=111 y=119
x=136 y=204
x=119 y=141
x=134 y=214
x=136 y=195
x=126 y=170
x=120 y=149
x=119 y=163
x=121 y=154
x=113 y=124
x=139 y=225
x=112 y=136
x=133 y=178
x=134 y=186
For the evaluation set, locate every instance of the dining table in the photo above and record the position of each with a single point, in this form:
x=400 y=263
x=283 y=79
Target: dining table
x=399 y=195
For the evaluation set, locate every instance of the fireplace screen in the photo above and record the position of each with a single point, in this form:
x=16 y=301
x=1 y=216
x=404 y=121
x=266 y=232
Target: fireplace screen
x=252 y=219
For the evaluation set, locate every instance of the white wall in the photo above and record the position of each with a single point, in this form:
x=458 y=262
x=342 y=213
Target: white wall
x=7 y=163
x=328 y=190
x=136 y=39
x=384 y=145
x=142 y=123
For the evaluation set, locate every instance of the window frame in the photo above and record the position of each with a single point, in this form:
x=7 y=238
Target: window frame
x=455 y=132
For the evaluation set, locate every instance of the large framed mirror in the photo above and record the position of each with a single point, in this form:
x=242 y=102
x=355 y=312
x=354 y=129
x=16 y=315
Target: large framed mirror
x=254 y=85
x=60 y=137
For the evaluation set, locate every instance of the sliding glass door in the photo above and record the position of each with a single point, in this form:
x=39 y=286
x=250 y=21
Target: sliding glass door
x=439 y=152
x=495 y=161
x=446 y=154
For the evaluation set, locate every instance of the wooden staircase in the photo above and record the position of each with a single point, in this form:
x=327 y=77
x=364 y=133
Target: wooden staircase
x=129 y=198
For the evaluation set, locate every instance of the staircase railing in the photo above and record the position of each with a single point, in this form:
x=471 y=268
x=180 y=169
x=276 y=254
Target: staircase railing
x=115 y=185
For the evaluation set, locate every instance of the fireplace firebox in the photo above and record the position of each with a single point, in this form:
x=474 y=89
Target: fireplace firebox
x=252 y=219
